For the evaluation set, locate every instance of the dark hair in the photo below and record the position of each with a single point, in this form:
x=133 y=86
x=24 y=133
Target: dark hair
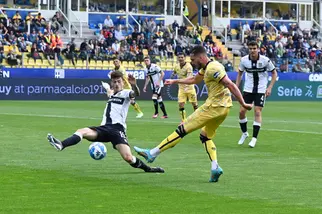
x=253 y=43
x=147 y=57
x=116 y=74
x=181 y=54
x=116 y=58
x=198 y=50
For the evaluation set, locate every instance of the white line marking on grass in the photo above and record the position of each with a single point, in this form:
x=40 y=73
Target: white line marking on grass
x=166 y=121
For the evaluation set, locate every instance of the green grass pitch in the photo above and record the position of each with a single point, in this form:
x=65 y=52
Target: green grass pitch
x=283 y=174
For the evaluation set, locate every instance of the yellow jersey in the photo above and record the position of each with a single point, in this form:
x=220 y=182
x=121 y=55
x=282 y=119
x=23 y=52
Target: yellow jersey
x=218 y=94
x=182 y=73
x=127 y=85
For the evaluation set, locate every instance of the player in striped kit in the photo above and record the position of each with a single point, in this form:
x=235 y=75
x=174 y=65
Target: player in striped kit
x=155 y=75
x=113 y=125
x=256 y=68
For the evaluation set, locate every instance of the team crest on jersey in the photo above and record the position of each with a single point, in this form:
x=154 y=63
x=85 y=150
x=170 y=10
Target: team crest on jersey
x=216 y=75
x=260 y=64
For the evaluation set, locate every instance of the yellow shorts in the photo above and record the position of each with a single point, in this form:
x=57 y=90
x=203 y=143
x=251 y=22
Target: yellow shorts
x=191 y=96
x=207 y=118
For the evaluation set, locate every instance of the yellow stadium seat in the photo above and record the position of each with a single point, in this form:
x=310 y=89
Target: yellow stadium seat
x=99 y=64
x=111 y=63
x=125 y=64
x=106 y=64
x=163 y=65
x=131 y=65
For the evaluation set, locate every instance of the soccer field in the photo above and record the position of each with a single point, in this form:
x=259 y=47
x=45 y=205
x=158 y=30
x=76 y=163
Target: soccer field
x=282 y=174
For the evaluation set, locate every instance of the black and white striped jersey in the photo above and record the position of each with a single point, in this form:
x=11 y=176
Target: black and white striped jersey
x=256 y=77
x=154 y=73
x=117 y=108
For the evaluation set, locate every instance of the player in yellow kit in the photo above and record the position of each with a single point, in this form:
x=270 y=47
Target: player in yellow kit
x=186 y=91
x=127 y=85
x=207 y=117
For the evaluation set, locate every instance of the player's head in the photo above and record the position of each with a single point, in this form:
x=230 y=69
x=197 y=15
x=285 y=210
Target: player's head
x=117 y=62
x=117 y=81
x=147 y=61
x=181 y=58
x=199 y=57
x=253 y=48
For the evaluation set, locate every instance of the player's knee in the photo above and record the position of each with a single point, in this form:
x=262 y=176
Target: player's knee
x=258 y=112
x=180 y=131
x=84 y=131
x=203 y=138
x=132 y=102
x=127 y=157
x=181 y=105
x=242 y=111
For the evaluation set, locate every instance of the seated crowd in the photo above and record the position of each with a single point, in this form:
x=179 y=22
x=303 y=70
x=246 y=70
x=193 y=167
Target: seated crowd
x=291 y=49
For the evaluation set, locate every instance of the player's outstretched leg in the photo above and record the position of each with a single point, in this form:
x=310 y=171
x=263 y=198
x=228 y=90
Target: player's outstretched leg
x=139 y=113
x=55 y=142
x=86 y=133
x=169 y=142
x=135 y=162
x=216 y=170
x=60 y=145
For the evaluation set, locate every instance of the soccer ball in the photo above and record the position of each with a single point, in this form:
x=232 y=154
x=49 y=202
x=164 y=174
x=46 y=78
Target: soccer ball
x=97 y=150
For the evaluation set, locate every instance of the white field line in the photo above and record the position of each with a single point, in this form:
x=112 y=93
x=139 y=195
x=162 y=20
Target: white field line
x=166 y=121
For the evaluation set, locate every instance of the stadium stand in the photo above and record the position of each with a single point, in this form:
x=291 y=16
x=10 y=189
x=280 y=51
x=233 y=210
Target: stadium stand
x=291 y=48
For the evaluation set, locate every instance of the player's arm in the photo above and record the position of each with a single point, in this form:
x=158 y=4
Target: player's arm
x=239 y=77
x=173 y=73
x=241 y=70
x=274 y=77
x=147 y=80
x=135 y=88
x=161 y=77
x=189 y=80
x=235 y=91
x=108 y=89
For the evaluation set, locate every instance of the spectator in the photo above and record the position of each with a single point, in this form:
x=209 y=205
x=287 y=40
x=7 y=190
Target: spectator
x=229 y=34
x=283 y=28
x=246 y=28
x=205 y=14
x=58 y=58
x=244 y=50
x=135 y=34
x=208 y=38
x=34 y=53
x=110 y=40
x=170 y=51
x=108 y=22
x=118 y=34
x=2 y=56
x=116 y=46
x=29 y=21
x=14 y=56
x=3 y=17
x=314 y=31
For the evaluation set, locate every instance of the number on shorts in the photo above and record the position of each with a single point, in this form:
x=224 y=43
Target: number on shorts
x=262 y=98
x=122 y=135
